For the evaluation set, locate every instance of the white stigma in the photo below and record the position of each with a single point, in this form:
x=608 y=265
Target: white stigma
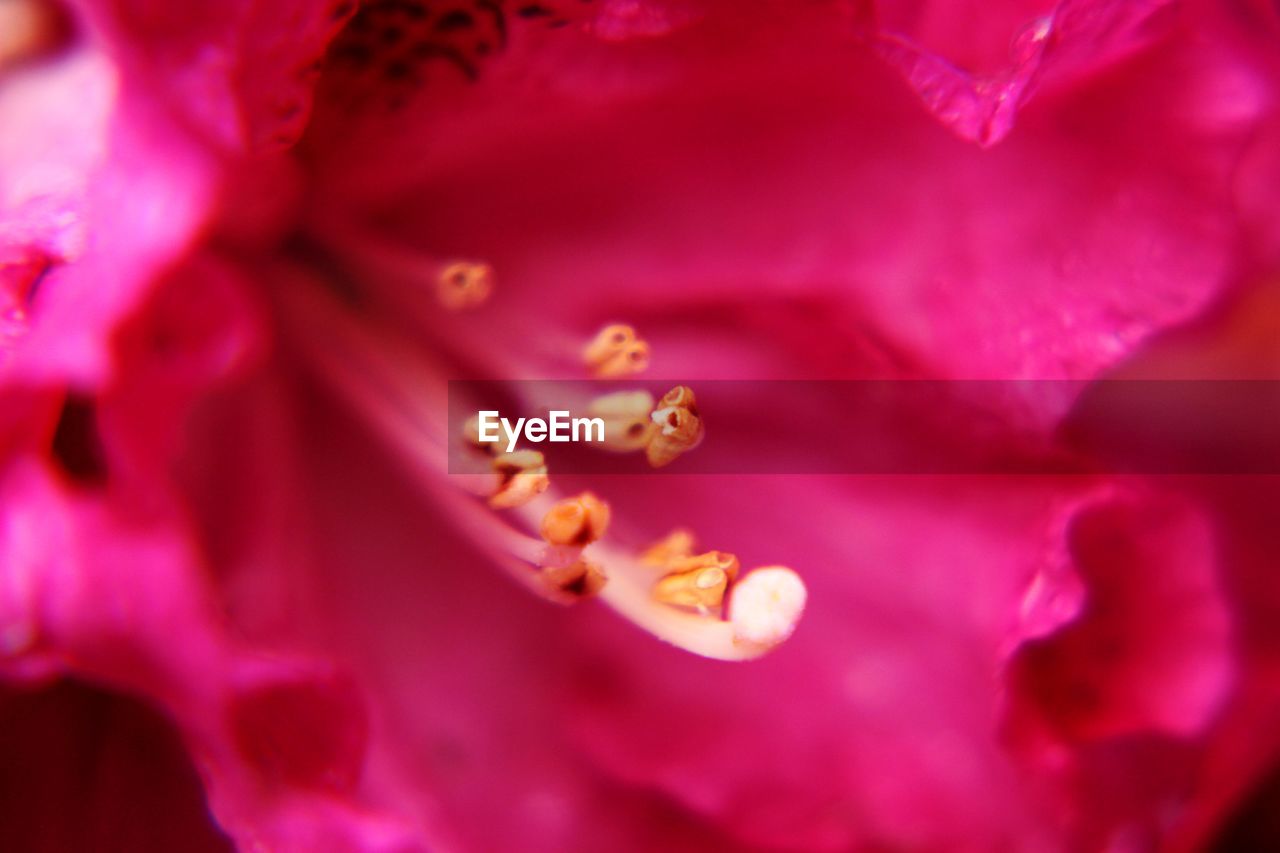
x=766 y=605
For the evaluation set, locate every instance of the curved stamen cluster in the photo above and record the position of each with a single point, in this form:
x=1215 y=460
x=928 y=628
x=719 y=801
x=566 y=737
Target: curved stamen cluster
x=696 y=601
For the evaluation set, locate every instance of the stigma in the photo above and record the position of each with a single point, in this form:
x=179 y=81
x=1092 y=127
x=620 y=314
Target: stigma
x=766 y=607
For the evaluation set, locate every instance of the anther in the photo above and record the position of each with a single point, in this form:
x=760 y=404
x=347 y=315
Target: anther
x=576 y=581
x=471 y=437
x=677 y=543
x=522 y=476
x=626 y=416
x=576 y=521
x=697 y=581
x=463 y=284
x=678 y=427
x=766 y=606
x=616 y=351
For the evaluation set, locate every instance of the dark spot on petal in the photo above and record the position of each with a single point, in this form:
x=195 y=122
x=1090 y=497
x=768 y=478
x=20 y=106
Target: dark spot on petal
x=87 y=769
x=1255 y=823
x=77 y=445
x=455 y=20
x=533 y=10
x=353 y=53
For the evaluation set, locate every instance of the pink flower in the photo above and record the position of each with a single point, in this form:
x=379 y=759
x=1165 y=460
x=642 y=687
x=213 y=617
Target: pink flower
x=244 y=246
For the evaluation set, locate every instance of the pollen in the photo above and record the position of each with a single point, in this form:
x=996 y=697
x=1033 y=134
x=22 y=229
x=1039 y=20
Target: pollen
x=574 y=582
x=678 y=427
x=616 y=351
x=766 y=605
x=576 y=521
x=626 y=416
x=522 y=476
x=697 y=581
x=471 y=435
x=677 y=543
x=463 y=285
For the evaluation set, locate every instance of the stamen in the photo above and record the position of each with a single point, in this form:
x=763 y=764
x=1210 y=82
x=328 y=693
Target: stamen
x=678 y=543
x=463 y=285
x=626 y=416
x=522 y=476
x=679 y=428
x=766 y=606
x=576 y=521
x=574 y=582
x=392 y=383
x=699 y=582
x=471 y=436
x=616 y=351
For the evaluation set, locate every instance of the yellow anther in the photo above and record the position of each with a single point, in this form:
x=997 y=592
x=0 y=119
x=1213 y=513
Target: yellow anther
x=698 y=581
x=678 y=427
x=576 y=521
x=616 y=351
x=626 y=416
x=522 y=476
x=464 y=284
x=677 y=543
x=471 y=436
x=575 y=581
x=681 y=397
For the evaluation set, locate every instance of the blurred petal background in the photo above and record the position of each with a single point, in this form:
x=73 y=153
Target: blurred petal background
x=242 y=606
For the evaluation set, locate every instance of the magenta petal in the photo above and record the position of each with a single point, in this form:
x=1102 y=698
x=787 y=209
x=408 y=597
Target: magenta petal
x=240 y=71
x=1075 y=38
x=1150 y=649
x=308 y=732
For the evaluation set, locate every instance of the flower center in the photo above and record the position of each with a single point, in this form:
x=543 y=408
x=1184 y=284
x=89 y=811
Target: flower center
x=510 y=507
x=398 y=46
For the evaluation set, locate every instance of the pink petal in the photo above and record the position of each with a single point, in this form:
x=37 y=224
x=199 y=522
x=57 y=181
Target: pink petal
x=1073 y=39
x=1150 y=650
